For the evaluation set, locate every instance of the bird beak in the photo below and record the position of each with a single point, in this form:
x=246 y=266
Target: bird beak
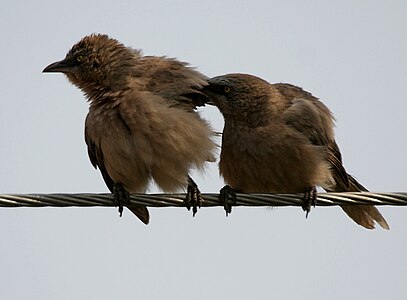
x=62 y=66
x=207 y=90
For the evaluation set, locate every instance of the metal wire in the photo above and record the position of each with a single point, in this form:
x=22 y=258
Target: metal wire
x=176 y=200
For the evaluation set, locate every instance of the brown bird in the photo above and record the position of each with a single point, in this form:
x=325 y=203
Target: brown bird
x=279 y=138
x=142 y=122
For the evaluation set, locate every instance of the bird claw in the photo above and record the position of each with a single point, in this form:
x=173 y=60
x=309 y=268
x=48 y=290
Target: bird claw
x=227 y=197
x=193 y=198
x=309 y=199
x=121 y=197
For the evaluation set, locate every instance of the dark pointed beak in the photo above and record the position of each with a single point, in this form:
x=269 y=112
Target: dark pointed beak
x=207 y=90
x=62 y=66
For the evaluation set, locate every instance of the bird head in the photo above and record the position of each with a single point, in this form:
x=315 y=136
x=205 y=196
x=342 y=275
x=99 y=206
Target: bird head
x=238 y=95
x=95 y=60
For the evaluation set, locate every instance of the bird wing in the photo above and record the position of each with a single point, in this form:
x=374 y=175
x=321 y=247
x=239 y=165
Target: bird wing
x=174 y=81
x=309 y=116
x=312 y=118
x=96 y=156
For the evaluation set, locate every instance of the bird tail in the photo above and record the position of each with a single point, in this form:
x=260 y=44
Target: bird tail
x=364 y=215
x=141 y=212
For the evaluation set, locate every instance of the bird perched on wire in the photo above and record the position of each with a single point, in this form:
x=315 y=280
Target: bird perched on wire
x=279 y=138
x=142 y=122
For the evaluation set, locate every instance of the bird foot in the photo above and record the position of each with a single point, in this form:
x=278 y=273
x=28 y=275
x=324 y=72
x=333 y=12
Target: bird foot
x=193 y=198
x=227 y=197
x=121 y=197
x=309 y=199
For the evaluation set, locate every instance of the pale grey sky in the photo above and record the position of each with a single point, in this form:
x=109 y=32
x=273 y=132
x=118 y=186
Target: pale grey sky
x=351 y=54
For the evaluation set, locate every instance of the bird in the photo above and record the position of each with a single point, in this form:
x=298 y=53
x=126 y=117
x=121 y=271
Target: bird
x=279 y=138
x=142 y=124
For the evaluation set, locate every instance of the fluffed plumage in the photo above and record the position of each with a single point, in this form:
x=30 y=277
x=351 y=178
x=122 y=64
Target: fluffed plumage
x=142 y=122
x=279 y=138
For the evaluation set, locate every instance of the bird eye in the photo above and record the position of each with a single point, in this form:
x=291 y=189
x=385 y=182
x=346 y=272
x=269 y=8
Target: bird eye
x=79 y=58
x=226 y=89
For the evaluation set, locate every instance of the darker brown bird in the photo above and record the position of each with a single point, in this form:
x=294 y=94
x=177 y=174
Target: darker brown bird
x=142 y=122
x=279 y=138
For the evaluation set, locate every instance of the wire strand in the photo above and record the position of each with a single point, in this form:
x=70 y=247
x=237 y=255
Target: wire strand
x=209 y=200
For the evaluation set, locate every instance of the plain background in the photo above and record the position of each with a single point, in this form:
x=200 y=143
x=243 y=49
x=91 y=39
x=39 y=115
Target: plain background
x=350 y=54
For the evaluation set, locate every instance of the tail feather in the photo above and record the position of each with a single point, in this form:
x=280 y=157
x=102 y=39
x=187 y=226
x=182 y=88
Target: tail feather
x=364 y=215
x=141 y=212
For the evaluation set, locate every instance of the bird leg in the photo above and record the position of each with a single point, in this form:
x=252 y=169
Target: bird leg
x=193 y=197
x=120 y=197
x=309 y=199
x=227 y=197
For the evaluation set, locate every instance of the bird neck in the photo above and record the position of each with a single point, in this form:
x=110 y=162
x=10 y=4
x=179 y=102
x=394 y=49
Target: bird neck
x=251 y=117
x=100 y=95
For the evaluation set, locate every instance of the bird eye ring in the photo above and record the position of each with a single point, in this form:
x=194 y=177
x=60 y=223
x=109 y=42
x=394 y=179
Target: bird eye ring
x=226 y=89
x=79 y=58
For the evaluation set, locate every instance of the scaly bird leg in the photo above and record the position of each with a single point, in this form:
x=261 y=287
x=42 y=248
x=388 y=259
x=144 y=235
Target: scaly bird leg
x=121 y=197
x=194 y=197
x=227 y=197
x=309 y=199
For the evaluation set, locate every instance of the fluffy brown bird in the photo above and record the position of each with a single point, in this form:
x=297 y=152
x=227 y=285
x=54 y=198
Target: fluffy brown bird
x=279 y=138
x=142 y=122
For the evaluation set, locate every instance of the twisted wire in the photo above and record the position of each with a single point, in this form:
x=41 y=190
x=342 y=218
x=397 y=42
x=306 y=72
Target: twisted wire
x=209 y=200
